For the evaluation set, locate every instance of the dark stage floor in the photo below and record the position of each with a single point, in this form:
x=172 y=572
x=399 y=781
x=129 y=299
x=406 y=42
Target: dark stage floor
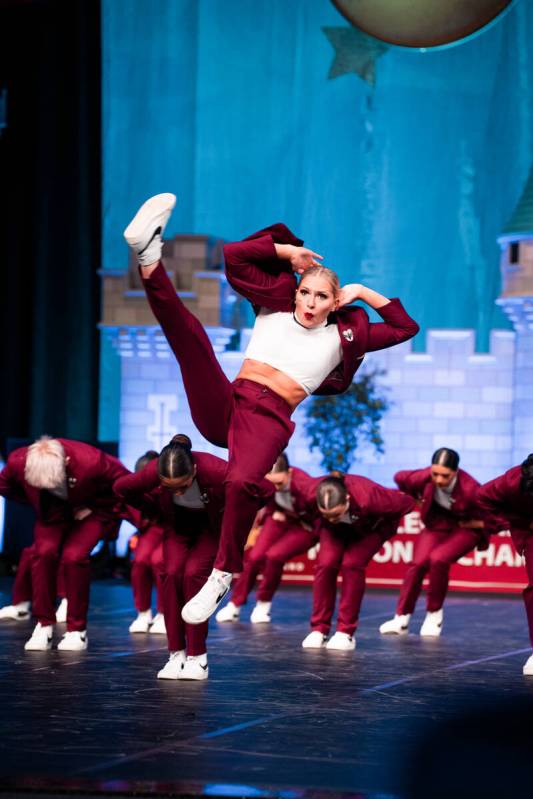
x=397 y=718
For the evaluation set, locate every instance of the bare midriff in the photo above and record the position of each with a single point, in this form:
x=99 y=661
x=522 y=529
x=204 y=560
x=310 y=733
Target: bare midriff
x=283 y=385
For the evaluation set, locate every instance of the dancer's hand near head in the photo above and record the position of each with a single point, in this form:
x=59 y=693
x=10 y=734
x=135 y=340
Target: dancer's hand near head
x=356 y=291
x=300 y=257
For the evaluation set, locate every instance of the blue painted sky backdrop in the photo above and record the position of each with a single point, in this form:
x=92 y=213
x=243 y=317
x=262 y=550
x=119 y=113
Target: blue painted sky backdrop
x=404 y=186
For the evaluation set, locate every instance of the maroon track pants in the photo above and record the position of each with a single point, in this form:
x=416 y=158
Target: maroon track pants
x=146 y=569
x=435 y=551
x=188 y=555
x=277 y=543
x=22 y=587
x=77 y=540
x=346 y=552
x=248 y=418
x=523 y=540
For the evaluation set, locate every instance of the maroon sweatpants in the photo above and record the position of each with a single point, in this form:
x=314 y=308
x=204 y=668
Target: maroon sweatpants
x=189 y=551
x=277 y=543
x=146 y=569
x=78 y=540
x=346 y=552
x=22 y=587
x=523 y=541
x=435 y=551
x=248 y=418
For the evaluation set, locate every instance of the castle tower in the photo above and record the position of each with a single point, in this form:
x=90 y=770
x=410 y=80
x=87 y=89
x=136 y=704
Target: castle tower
x=516 y=300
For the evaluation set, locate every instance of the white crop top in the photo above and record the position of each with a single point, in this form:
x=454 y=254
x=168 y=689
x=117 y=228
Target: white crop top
x=307 y=355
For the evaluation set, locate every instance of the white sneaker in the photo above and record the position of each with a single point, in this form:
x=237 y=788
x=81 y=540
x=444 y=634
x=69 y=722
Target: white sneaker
x=142 y=623
x=200 y=607
x=342 y=642
x=74 y=641
x=528 y=667
x=315 y=640
x=195 y=668
x=230 y=612
x=172 y=668
x=61 y=612
x=158 y=625
x=399 y=625
x=261 y=613
x=41 y=639
x=15 y=612
x=432 y=626
x=145 y=231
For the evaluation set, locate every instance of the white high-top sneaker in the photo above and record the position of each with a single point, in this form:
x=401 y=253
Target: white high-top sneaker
x=229 y=612
x=342 y=642
x=73 y=641
x=195 y=668
x=200 y=607
x=261 y=613
x=528 y=667
x=142 y=623
x=432 y=626
x=41 y=639
x=315 y=640
x=158 y=625
x=17 y=612
x=399 y=625
x=172 y=668
x=144 y=233
x=61 y=612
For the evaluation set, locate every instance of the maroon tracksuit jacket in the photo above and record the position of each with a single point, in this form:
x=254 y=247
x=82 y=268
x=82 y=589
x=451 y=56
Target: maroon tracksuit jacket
x=190 y=540
x=347 y=548
x=90 y=476
x=504 y=498
x=255 y=272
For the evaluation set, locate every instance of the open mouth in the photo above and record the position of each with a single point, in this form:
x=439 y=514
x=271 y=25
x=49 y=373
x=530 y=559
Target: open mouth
x=309 y=316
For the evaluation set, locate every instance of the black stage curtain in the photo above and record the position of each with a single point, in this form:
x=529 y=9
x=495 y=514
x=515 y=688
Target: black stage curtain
x=50 y=225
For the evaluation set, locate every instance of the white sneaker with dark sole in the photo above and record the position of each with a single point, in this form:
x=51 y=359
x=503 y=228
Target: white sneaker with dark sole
x=142 y=623
x=432 y=626
x=16 y=612
x=315 y=640
x=61 y=612
x=230 y=612
x=261 y=613
x=74 y=641
x=195 y=668
x=203 y=605
x=144 y=233
x=399 y=625
x=158 y=626
x=41 y=639
x=528 y=667
x=172 y=668
x=342 y=642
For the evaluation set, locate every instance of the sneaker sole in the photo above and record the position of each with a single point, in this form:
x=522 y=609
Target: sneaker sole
x=153 y=213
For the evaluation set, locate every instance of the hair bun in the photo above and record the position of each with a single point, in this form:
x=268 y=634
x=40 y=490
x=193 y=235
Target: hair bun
x=337 y=474
x=183 y=441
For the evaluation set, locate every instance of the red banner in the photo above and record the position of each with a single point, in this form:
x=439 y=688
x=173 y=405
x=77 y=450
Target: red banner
x=498 y=569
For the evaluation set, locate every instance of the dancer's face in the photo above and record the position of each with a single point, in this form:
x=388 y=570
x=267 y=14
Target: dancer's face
x=334 y=515
x=280 y=479
x=315 y=299
x=178 y=485
x=441 y=475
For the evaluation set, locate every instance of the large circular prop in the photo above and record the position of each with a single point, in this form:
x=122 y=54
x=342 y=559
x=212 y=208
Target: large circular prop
x=421 y=23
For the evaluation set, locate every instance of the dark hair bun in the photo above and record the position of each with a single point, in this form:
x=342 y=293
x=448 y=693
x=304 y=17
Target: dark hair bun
x=183 y=441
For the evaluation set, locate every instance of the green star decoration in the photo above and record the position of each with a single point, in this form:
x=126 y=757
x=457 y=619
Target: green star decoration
x=354 y=52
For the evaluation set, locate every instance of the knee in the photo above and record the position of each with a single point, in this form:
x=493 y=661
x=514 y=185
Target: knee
x=438 y=564
x=46 y=549
x=74 y=556
x=352 y=568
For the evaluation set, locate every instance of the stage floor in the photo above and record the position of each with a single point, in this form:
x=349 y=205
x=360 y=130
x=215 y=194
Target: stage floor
x=400 y=717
